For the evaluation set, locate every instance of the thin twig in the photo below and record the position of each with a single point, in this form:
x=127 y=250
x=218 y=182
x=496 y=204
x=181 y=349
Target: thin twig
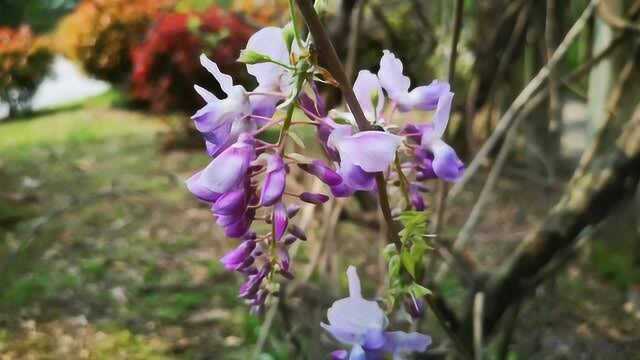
x=509 y=330
x=554 y=124
x=609 y=16
x=487 y=191
x=478 y=306
x=522 y=99
x=354 y=37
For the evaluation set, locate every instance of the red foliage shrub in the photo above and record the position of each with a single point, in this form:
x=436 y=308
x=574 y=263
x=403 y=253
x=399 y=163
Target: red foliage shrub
x=166 y=64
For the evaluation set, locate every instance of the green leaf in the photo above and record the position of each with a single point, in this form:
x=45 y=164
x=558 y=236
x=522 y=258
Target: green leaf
x=394 y=266
x=414 y=226
x=418 y=290
x=408 y=262
x=388 y=251
x=296 y=139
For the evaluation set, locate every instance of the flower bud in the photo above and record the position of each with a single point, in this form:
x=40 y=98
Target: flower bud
x=340 y=355
x=251 y=57
x=322 y=172
x=416 y=199
x=342 y=190
x=414 y=307
x=296 y=231
x=237 y=256
x=314 y=198
x=292 y=210
x=280 y=221
x=289 y=34
x=283 y=258
x=274 y=182
x=289 y=239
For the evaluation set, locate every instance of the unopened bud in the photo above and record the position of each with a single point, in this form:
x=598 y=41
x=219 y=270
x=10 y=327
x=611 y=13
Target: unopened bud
x=251 y=57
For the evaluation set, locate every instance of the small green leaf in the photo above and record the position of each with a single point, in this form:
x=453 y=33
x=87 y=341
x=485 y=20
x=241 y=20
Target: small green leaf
x=394 y=266
x=408 y=262
x=296 y=139
x=388 y=251
x=418 y=290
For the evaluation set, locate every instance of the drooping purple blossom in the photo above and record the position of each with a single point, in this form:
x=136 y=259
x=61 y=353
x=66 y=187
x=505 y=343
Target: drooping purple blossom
x=237 y=256
x=323 y=172
x=314 y=198
x=397 y=85
x=274 y=183
x=362 y=155
x=229 y=168
x=361 y=324
x=280 y=220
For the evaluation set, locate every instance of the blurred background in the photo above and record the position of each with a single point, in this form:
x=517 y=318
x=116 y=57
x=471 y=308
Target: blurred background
x=105 y=255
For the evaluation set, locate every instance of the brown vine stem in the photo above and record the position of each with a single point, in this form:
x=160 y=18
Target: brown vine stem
x=329 y=55
x=447 y=318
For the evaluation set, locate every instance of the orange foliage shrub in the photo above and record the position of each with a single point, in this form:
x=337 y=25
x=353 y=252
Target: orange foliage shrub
x=263 y=12
x=24 y=62
x=99 y=34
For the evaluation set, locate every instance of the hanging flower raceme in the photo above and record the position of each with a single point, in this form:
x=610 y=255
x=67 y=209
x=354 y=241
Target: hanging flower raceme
x=247 y=179
x=361 y=324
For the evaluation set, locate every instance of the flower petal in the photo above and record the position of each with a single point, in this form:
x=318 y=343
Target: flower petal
x=232 y=203
x=426 y=97
x=274 y=182
x=345 y=336
x=355 y=290
x=443 y=112
x=314 y=198
x=225 y=81
x=197 y=188
x=229 y=168
x=373 y=151
x=339 y=355
x=268 y=41
x=280 y=221
x=342 y=190
x=357 y=353
x=446 y=164
x=322 y=172
x=354 y=313
x=391 y=76
x=236 y=256
x=205 y=94
x=209 y=117
x=353 y=178
x=399 y=342
x=367 y=88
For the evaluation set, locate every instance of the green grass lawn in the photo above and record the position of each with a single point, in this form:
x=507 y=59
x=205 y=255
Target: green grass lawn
x=103 y=251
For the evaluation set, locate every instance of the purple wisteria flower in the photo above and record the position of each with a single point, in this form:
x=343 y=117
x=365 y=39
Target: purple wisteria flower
x=362 y=155
x=397 y=86
x=361 y=324
x=440 y=157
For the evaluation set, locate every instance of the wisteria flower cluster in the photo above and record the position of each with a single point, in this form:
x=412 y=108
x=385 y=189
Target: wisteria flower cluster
x=246 y=180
